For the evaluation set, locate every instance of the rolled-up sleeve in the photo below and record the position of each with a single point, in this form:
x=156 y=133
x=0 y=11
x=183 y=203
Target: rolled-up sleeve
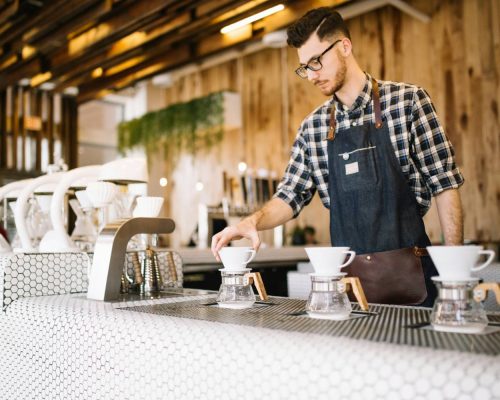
x=297 y=187
x=433 y=153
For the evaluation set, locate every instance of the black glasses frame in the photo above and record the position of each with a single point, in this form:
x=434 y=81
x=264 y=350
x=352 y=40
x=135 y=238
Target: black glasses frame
x=302 y=70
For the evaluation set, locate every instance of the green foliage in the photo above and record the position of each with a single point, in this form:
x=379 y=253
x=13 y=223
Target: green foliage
x=192 y=126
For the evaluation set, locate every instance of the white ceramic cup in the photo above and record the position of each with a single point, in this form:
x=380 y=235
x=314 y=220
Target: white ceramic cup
x=456 y=263
x=236 y=258
x=329 y=260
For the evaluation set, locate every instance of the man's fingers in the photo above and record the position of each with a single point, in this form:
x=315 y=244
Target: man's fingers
x=255 y=239
x=222 y=239
x=215 y=241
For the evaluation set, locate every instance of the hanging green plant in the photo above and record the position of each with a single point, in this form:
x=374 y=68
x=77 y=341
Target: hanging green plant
x=191 y=126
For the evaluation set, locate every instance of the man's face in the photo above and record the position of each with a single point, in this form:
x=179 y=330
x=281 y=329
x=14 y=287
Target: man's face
x=330 y=78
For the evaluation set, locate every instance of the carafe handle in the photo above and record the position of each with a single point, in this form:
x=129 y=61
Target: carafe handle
x=256 y=279
x=481 y=290
x=358 y=291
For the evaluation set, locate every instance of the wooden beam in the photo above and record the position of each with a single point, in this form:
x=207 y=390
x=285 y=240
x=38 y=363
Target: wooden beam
x=125 y=21
x=210 y=45
x=119 y=53
x=131 y=39
x=47 y=42
x=181 y=30
x=9 y=9
x=53 y=11
x=163 y=60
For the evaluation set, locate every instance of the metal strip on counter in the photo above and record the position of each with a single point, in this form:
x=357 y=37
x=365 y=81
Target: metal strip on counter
x=391 y=324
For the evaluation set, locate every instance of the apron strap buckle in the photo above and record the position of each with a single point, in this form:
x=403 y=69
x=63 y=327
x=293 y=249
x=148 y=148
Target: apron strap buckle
x=420 y=251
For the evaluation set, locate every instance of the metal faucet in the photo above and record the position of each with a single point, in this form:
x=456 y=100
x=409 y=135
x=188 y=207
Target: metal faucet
x=110 y=249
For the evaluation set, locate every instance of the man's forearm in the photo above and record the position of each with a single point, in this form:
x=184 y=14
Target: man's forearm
x=450 y=216
x=274 y=213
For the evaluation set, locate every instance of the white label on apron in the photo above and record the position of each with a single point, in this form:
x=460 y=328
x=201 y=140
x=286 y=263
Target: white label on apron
x=351 y=168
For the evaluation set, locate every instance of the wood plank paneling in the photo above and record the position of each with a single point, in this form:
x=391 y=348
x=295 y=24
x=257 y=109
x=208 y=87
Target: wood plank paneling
x=455 y=57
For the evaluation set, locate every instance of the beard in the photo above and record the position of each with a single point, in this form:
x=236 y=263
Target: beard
x=338 y=80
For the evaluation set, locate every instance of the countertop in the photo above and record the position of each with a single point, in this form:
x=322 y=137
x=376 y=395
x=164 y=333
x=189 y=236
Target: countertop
x=68 y=347
x=56 y=344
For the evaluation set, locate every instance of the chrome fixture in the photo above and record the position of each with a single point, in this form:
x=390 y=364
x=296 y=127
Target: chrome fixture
x=109 y=253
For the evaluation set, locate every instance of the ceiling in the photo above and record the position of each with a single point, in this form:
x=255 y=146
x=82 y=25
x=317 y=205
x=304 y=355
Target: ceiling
x=101 y=46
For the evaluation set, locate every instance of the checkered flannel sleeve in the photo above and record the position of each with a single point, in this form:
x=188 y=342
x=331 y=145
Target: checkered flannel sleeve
x=433 y=153
x=297 y=187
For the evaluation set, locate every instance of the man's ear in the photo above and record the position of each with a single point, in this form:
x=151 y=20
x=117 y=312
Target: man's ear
x=346 y=47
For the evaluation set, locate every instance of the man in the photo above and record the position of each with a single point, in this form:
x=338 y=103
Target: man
x=376 y=153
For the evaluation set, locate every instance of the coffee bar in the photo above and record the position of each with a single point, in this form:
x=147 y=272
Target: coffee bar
x=137 y=136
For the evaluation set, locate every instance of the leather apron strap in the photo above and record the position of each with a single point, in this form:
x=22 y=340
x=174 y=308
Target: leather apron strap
x=376 y=106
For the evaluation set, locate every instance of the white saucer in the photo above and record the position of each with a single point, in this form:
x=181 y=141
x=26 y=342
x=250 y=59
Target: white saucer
x=339 y=275
x=235 y=270
x=439 y=279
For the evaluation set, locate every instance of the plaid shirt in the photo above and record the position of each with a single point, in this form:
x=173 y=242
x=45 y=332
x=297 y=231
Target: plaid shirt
x=420 y=144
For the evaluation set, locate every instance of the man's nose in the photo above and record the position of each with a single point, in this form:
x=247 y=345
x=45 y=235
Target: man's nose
x=312 y=75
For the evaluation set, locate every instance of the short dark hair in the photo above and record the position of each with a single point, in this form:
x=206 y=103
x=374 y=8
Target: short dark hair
x=331 y=24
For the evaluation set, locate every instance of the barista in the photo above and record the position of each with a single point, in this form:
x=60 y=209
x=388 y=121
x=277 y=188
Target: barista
x=376 y=154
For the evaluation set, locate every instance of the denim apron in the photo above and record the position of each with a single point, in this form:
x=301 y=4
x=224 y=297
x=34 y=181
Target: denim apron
x=374 y=212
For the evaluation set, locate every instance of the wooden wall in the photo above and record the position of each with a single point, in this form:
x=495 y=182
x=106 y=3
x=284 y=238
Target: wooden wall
x=455 y=57
x=37 y=128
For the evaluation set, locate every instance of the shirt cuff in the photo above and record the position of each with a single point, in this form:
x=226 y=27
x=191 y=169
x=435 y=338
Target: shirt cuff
x=290 y=198
x=446 y=180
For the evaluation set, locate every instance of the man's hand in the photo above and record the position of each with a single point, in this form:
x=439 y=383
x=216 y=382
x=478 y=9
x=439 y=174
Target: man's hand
x=276 y=212
x=245 y=229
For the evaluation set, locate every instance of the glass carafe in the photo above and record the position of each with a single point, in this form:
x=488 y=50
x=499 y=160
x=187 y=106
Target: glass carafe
x=455 y=309
x=328 y=298
x=236 y=290
x=85 y=232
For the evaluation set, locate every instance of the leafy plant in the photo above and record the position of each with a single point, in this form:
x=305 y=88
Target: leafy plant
x=192 y=126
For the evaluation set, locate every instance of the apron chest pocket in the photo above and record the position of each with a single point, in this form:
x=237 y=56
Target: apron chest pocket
x=359 y=169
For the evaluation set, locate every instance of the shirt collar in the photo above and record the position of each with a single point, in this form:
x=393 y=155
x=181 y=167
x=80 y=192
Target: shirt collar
x=361 y=101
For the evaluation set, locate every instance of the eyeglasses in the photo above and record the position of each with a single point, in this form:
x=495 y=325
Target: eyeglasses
x=314 y=64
